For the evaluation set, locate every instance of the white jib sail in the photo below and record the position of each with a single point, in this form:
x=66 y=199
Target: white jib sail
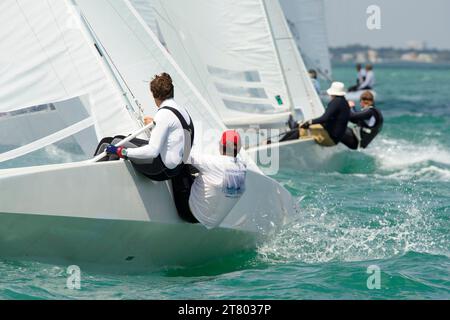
x=307 y=21
x=227 y=50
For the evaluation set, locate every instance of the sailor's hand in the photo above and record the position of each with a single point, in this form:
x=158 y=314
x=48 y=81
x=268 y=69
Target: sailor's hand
x=148 y=120
x=352 y=104
x=305 y=125
x=121 y=152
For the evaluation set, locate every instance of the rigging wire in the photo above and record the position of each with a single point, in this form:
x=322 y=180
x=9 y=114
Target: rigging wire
x=140 y=112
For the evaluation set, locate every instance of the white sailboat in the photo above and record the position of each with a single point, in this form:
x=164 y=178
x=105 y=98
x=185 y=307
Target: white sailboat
x=245 y=62
x=101 y=54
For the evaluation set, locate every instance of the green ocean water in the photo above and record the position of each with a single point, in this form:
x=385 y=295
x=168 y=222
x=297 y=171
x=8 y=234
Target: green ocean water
x=388 y=207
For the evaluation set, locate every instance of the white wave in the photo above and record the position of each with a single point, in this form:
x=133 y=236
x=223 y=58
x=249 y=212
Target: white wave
x=320 y=237
x=425 y=174
x=395 y=154
x=431 y=173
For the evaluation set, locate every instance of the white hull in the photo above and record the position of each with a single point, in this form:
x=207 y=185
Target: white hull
x=302 y=154
x=106 y=214
x=356 y=96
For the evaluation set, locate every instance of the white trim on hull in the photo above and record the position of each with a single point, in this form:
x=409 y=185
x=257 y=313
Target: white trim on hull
x=300 y=154
x=104 y=213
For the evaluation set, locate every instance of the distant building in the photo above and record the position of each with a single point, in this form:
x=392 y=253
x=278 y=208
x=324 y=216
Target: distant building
x=361 y=57
x=348 y=57
x=416 y=45
x=418 y=57
x=364 y=54
x=372 y=56
x=425 y=57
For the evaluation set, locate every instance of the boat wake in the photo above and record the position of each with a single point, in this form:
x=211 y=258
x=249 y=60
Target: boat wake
x=320 y=236
x=401 y=160
x=399 y=211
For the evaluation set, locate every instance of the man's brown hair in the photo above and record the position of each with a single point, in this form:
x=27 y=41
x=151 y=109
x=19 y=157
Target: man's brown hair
x=162 y=87
x=367 y=96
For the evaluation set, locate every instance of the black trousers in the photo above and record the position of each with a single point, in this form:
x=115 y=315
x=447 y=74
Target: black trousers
x=154 y=169
x=181 y=186
x=353 y=88
x=291 y=135
x=182 y=176
x=349 y=139
x=356 y=88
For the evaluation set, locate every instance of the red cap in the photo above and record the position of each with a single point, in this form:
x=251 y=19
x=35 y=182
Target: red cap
x=231 y=142
x=231 y=137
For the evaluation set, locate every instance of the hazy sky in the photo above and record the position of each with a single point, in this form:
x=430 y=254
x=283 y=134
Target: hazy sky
x=401 y=21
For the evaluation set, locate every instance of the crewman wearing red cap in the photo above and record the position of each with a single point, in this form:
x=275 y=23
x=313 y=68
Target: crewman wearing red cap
x=221 y=181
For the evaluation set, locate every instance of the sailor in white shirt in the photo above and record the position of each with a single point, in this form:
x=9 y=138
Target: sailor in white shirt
x=164 y=155
x=220 y=184
x=361 y=75
x=167 y=137
x=369 y=82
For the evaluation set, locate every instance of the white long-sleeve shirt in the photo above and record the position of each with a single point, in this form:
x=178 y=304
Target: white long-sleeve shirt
x=167 y=137
x=217 y=189
x=362 y=75
x=369 y=82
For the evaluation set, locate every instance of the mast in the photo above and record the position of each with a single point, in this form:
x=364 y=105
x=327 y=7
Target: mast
x=137 y=112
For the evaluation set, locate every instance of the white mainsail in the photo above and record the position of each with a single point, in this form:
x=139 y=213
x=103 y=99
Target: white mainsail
x=307 y=21
x=241 y=55
x=147 y=12
x=53 y=83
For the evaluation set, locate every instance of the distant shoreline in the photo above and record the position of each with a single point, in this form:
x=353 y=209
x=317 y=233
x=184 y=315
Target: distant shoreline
x=400 y=64
x=408 y=56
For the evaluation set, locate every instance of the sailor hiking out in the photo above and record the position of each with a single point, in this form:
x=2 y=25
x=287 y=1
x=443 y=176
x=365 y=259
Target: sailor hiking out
x=329 y=129
x=369 y=123
x=164 y=156
x=220 y=183
x=206 y=189
x=361 y=77
x=313 y=75
x=366 y=78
